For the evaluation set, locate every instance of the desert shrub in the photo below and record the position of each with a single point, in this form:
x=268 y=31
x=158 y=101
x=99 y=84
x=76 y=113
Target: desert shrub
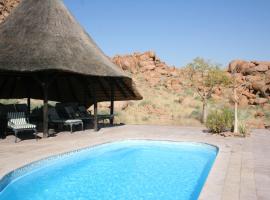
x=144 y=103
x=267 y=114
x=244 y=114
x=145 y=118
x=211 y=102
x=220 y=120
x=195 y=114
x=166 y=105
x=117 y=114
x=243 y=129
x=179 y=100
x=197 y=107
x=103 y=111
x=188 y=92
x=197 y=98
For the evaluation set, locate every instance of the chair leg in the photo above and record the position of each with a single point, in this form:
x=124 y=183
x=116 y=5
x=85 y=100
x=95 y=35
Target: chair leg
x=71 y=125
x=82 y=127
x=36 y=134
x=15 y=132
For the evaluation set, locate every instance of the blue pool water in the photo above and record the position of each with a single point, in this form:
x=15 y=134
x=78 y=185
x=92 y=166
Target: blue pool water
x=128 y=170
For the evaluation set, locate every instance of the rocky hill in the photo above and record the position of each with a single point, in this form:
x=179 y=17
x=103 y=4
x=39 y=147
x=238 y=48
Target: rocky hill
x=167 y=97
x=256 y=75
x=151 y=69
x=5 y=8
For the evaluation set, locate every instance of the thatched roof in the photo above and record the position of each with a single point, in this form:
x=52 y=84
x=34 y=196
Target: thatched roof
x=42 y=36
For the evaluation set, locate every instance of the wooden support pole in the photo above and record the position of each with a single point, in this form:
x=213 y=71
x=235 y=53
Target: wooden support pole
x=45 y=110
x=45 y=82
x=28 y=105
x=112 y=104
x=95 y=115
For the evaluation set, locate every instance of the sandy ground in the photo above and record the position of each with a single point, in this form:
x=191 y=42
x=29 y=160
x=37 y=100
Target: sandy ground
x=241 y=170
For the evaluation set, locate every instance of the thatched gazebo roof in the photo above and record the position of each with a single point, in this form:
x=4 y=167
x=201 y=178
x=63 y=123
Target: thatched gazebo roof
x=45 y=54
x=42 y=37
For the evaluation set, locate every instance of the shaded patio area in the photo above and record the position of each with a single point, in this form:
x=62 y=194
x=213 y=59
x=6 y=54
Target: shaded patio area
x=45 y=54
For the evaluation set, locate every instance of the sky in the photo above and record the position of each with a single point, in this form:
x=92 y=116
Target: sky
x=178 y=30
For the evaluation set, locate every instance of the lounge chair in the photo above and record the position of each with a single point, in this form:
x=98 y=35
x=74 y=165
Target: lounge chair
x=84 y=114
x=55 y=119
x=21 y=108
x=71 y=112
x=18 y=122
x=105 y=117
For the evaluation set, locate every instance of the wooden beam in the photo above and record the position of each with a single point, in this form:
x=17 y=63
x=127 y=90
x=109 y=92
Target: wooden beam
x=45 y=87
x=127 y=88
x=87 y=88
x=112 y=103
x=95 y=115
x=59 y=92
x=44 y=82
x=28 y=83
x=29 y=105
x=103 y=87
x=3 y=85
x=120 y=88
x=13 y=87
x=72 y=89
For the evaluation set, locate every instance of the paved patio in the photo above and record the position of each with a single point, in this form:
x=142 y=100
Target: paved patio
x=241 y=170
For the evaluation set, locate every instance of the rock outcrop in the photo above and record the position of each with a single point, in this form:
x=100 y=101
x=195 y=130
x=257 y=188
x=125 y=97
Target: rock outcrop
x=256 y=75
x=5 y=8
x=151 y=68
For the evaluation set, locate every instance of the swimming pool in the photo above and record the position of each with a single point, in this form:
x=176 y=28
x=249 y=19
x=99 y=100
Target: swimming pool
x=127 y=170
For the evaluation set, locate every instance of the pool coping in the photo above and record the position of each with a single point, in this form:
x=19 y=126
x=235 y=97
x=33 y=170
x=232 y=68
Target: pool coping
x=207 y=192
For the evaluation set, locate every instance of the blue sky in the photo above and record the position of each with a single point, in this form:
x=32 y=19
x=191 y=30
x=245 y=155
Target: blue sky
x=178 y=30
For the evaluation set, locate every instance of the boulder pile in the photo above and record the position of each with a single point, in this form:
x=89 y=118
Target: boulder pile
x=151 y=68
x=5 y=8
x=256 y=75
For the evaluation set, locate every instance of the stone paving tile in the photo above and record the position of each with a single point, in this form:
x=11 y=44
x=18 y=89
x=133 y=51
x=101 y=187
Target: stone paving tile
x=263 y=194
x=232 y=182
x=261 y=151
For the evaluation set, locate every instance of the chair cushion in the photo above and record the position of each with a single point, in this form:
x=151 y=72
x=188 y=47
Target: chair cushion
x=73 y=121
x=17 y=121
x=23 y=126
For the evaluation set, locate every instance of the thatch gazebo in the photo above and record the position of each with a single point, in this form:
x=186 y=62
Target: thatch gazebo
x=45 y=54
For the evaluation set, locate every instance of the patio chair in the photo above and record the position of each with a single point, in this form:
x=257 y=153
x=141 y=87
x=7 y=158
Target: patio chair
x=18 y=122
x=71 y=112
x=76 y=113
x=84 y=114
x=105 y=117
x=21 y=108
x=54 y=118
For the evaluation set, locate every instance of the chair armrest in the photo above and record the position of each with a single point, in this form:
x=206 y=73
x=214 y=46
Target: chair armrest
x=10 y=123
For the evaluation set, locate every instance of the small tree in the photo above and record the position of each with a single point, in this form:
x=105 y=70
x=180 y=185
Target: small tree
x=238 y=87
x=205 y=77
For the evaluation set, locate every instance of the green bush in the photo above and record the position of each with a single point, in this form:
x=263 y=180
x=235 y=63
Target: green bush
x=267 y=114
x=188 y=92
x=145 y=119
x=220 y=120
x=243 y=129
x=195 y=114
